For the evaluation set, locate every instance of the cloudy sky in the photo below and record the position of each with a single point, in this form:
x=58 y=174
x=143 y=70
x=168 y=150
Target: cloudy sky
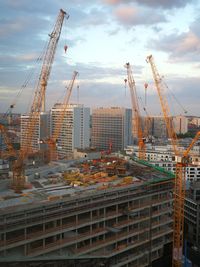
x=102 y=35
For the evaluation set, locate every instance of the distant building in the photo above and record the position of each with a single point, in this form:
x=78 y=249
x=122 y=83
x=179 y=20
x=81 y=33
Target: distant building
x=158 y=127
x=111 y=127
x=194 y=120
x=75 y=132
x=41 y=132
x=193 y=124
x=180 y=124
x=163 y=156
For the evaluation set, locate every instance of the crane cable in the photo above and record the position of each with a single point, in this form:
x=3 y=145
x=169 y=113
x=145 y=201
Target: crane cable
x=27 y=80
x=175 y=98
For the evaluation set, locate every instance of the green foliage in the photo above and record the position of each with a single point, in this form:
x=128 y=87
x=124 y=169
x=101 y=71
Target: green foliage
x=186 y=135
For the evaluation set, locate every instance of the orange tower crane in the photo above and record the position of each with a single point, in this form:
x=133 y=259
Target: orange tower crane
x=49 y=55
x=136 y=117
x=59 y=123
x=147 y=118
x=38 y=104
x=182 y=162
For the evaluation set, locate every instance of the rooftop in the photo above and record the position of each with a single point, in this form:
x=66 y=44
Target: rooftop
x=75 y=178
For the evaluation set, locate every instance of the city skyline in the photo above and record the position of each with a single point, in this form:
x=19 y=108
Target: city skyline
x=102 y=36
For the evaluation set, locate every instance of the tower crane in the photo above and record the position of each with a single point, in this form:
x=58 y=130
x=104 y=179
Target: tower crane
x=49 y=56
x=38 y=104
x=181 y=164
x=147 y=120
x=136 y=121
x=58 y=123
x=10 y=151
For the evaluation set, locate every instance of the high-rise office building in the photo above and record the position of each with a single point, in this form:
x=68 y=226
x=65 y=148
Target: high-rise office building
x=41 y=132
x=111 y=127
x=180 y=124
x=75 y=131
x=158 y=127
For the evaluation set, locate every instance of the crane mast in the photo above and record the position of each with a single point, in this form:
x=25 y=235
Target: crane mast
x=164 y=104
x=38 y=103
x=49 y=56
x=182 y=162
x=136 y=117
x=58 y=123
x=10 y=150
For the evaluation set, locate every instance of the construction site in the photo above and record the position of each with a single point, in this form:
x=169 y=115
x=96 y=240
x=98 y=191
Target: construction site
x=107 y=210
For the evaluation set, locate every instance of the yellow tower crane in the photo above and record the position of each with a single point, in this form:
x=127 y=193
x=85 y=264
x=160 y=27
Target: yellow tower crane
x=136 y=116
x=182 y=161
x=38 y=104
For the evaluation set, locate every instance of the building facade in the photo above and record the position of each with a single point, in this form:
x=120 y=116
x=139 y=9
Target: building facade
x=192 y=215
x=111 y=127
x=180 y=124
x=75 y=131
x=41 y=132
x=125 y=226
x=158 y=129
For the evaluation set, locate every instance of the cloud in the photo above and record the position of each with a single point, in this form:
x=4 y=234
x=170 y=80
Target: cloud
x=178 y=95
x=98 y=84
x=181 y=47
x=113 y=31
x=25 y=26
x=7 y=60
x=11 y=27
x=166 y=4
x=94 y=94
x=131 y=16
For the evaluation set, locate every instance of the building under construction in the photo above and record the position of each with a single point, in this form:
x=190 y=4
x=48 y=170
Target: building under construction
x=106 y=220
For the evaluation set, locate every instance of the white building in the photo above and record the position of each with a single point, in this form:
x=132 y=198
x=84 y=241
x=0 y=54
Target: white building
x=111 y=127
x=75 y=131
x=163 y=156
x=194 y=120
x=41 y=132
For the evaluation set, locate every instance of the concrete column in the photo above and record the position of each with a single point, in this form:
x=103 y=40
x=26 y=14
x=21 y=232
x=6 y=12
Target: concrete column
x=117 y=209
x=90 y=233
x=54 y=225
x=43 y=242
x=25 y=233
x=104 y=214
x=43 y=227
